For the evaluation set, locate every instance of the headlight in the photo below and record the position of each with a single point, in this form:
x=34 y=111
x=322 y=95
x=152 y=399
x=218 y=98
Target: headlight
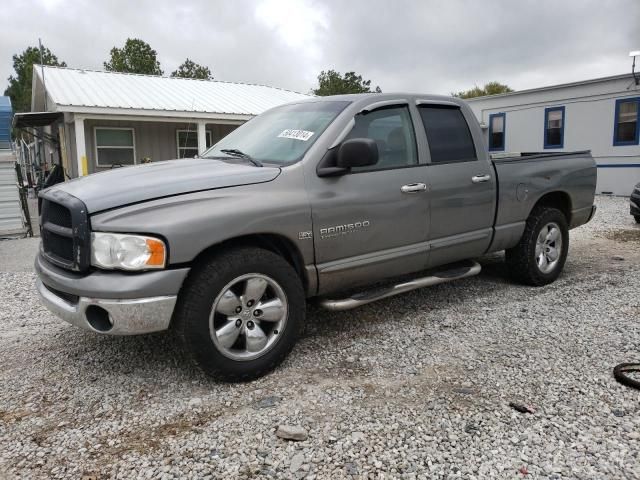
x=127 y=252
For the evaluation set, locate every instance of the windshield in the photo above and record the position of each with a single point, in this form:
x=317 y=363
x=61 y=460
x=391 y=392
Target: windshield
x=281 y=135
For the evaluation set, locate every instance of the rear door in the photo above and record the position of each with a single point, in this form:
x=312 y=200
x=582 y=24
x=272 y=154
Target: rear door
x=372 y=223
x=462 y=186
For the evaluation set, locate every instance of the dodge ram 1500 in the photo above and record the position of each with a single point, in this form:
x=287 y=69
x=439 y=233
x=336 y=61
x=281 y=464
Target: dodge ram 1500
x=345 y=199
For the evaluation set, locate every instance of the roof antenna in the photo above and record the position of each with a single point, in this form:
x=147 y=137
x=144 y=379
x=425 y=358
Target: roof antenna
x=44 y=88
x=635 y=54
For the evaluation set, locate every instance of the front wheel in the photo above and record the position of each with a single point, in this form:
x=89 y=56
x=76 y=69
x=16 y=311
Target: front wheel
x=240 y=313
x=539 y=257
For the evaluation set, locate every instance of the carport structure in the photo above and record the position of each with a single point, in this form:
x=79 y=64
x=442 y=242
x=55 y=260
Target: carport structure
x=106 y=119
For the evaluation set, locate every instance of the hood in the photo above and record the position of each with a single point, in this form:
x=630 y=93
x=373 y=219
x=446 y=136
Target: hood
x=127 y=185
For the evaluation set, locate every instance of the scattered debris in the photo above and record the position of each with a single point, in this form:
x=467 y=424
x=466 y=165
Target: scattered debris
x=464 y=390
x=471 y=428
x=351 y=468
x=523 y=470
x=292 y=432
x=619 y=258
x=522 y=408
x=268 y=402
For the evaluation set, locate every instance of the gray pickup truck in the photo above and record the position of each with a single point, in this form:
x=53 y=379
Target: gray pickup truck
x=345 y=199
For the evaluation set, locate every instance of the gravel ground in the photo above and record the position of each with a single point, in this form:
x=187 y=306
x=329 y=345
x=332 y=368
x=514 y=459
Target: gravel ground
x=417 y=386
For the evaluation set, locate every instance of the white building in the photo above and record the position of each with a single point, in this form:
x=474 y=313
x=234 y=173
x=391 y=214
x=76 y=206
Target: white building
x=601 y=115
x=98 y=120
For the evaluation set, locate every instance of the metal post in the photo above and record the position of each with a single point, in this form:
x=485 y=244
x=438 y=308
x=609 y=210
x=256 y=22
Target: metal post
x=202 y=137
x=81 y=147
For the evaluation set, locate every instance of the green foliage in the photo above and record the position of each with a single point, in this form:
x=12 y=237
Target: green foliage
x=333 y=83
x=491 y=88
x=19 y=88
x=190 y=69
x=136 y=56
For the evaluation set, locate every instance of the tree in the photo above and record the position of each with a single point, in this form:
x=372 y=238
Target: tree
x=136 y=56
x=19 y=88
x=333 y=83
x=190 y=69
x=491 y=88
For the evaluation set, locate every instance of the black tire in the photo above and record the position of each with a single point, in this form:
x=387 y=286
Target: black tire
x=637 y=218
x=197 y=297
x=620 y=374
x=521 y=259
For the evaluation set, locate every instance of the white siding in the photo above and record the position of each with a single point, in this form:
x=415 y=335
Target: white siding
x=589 y=123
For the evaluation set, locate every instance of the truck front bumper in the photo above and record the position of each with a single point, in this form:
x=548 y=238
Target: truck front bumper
x=114 y=317
x=113 y=303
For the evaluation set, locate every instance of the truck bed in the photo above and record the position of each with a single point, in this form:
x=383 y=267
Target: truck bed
x=524 y=179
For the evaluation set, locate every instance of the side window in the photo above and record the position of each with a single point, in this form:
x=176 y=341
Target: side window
x=115 y=146
x=187 y=142
x=496 y=131
x=448 y=134
x=554 y=127
x=392 y=130
x=626 y=128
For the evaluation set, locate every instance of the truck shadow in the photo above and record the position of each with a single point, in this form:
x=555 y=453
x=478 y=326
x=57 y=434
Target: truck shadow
x=112 y=357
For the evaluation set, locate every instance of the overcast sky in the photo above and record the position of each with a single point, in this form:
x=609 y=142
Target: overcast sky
x=421 y=46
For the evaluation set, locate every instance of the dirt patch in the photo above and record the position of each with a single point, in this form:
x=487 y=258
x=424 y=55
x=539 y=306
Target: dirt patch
x=628 y=235
x=13 y=416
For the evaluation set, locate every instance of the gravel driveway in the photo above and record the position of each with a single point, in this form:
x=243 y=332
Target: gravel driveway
x=417 y=386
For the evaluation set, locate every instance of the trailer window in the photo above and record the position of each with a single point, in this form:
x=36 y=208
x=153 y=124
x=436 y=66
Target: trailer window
x=554 y=127
x=626 y=122
x=448 y=134
x=115 y=146
x=496 y=131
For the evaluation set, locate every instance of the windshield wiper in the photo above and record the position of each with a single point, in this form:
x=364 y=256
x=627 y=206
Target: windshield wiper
x=238 y=153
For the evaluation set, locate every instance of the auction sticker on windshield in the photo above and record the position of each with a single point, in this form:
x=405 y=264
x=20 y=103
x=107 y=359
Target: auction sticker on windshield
x=303 y=135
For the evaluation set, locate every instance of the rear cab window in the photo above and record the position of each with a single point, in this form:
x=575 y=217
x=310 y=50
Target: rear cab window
x=448 y=134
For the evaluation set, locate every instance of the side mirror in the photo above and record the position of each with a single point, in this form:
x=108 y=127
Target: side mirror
x=357 y=152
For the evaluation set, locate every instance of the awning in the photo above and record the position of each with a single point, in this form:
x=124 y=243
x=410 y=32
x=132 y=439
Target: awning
x=35 y=119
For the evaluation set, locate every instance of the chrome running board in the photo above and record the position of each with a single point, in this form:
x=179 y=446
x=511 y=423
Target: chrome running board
x=454 y=272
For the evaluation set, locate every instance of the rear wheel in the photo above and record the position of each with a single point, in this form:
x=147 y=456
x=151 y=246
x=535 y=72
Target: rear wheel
x=539 y=257
x=240 y=313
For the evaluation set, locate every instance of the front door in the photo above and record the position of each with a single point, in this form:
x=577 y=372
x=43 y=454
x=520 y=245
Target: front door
x=372 y=223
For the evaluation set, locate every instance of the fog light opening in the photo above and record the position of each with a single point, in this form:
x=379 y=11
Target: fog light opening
x=98 y=318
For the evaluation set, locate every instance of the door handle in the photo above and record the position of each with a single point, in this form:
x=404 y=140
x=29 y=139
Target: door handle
x=481 y=178
x=413 y=188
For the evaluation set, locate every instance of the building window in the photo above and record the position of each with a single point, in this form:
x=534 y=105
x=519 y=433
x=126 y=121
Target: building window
x=115 y=146
x=496 y=131
x=626 y=121
x=187 y=141
x=448 y=134
x=554 y=127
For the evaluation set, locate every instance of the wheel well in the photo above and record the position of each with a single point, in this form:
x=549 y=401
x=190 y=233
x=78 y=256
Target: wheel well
x=559 y=200
x=275 y=243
